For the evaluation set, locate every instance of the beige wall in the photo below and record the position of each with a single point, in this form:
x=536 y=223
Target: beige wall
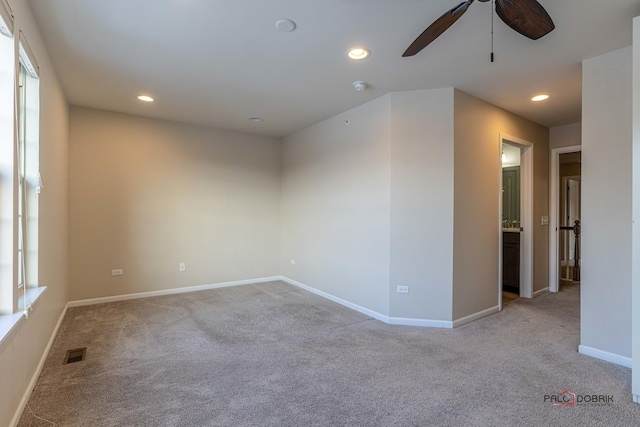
x=21 y=353
x=606 y=204
x=368 y=206
x=476 y=216
x=335 y=206
x=422 y=204
x=434 y=228
x=565 y=136
x=146 y=195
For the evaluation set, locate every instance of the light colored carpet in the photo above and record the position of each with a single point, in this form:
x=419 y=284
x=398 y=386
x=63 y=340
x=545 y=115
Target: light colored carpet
x=274 y=355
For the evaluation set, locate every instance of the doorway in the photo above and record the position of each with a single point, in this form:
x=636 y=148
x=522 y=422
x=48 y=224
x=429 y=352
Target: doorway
x=564 y=251
x=515 y=271
x=569 y=218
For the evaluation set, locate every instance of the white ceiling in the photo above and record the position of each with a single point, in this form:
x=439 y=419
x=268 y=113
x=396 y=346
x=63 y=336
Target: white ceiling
x=219 y=62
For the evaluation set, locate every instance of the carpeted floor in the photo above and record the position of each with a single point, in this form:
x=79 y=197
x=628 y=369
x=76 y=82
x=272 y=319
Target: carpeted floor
x=274 y=355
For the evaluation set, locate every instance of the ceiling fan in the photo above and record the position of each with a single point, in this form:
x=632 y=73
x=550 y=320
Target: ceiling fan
x=527 y=17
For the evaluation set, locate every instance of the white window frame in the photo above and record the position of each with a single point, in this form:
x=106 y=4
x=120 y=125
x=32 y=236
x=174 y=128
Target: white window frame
x=27 y=169
x=8 y=297
x=14 y=49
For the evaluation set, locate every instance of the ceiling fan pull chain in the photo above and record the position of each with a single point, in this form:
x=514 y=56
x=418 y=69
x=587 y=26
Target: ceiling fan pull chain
x=492 y=7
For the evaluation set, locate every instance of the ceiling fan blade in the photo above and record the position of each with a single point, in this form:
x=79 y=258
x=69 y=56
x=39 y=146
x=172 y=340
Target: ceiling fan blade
x=438 y=27
x=527 y=17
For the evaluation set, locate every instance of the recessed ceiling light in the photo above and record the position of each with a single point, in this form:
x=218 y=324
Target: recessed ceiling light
x=285 y=25
x=256 y=119
x=358 y=53
x=539 y=98
x=145 y=98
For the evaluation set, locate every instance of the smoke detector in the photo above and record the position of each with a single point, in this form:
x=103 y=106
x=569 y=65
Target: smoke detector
x=360 y=85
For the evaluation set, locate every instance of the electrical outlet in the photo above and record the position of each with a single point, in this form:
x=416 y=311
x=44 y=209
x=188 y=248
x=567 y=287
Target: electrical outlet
x=403 y=289
x=293 y=262
x=183 y=266
x=117 y=272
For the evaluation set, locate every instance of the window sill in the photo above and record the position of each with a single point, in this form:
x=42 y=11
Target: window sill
x=30 y=297
x=9 y=322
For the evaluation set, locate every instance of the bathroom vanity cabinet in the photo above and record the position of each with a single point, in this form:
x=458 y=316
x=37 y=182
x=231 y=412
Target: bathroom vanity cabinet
x=511 y=261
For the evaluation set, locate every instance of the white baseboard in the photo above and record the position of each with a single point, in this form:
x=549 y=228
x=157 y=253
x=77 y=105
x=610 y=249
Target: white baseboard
x=425 y=323
x=381 y=317
x=340 y=301
x=36 y=374
x=92 y=301
x=636 y=398
x=541 y=292
x=605 y=355
x=475 y=316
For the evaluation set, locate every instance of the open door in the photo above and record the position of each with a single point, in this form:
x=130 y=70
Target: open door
x=516 y=217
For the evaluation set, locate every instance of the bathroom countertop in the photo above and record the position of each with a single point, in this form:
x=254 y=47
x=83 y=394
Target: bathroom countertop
x=511 y=230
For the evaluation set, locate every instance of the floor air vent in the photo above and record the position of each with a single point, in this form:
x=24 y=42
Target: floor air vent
x=75 y=355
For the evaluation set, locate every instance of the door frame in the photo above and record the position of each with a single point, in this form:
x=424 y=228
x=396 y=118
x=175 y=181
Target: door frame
x=526 y=215
x=554 y=210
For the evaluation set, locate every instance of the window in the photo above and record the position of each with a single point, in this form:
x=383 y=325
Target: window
x=28 y=177
x=8 y=298
x=19 y=166
x=19 y=177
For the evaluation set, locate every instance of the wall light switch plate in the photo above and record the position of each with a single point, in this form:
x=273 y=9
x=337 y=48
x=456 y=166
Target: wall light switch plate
x=293 y=261
x=545 y=220
x=117 y=272
x=403 y=289
x=183 y=266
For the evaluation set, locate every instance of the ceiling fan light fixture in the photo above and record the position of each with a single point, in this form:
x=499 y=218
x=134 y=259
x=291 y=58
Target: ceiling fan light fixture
x=541 y=97
x=358 y=53
x=145 y=98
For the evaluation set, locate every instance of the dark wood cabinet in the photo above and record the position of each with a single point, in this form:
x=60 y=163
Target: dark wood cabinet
x=511 y=194
x=511 y=261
